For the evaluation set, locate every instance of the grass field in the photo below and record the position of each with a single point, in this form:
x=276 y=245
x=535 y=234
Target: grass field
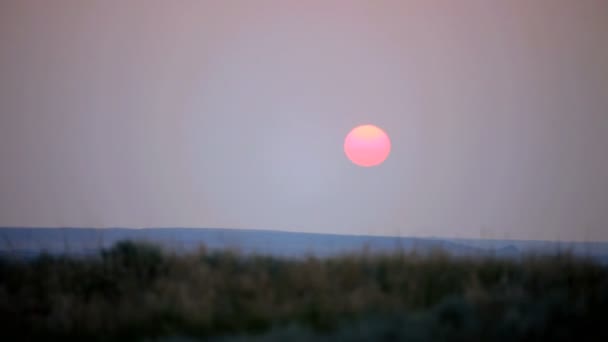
x=137 y=291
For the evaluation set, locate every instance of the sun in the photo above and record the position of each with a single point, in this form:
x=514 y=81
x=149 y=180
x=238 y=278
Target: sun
x=367 y=145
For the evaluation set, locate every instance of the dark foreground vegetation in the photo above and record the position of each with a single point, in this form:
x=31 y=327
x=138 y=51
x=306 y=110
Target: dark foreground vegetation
x=137 y=291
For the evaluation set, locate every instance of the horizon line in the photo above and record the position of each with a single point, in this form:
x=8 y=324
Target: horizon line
x=429 y=237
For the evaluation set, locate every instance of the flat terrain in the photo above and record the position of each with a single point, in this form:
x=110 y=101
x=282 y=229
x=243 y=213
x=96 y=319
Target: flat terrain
x=28 y=242
x=138 y=291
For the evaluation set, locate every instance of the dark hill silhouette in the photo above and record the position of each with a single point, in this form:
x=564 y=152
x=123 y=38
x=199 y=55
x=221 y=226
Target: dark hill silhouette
x=78 y=241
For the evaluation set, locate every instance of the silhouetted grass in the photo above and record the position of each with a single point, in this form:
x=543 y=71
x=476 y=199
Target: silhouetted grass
x=137 y=291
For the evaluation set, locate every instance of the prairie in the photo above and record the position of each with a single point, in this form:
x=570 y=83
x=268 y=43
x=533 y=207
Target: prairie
x=139 y=291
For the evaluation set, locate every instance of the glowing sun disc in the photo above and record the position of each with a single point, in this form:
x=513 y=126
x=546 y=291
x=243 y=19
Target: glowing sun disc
x=367 y=145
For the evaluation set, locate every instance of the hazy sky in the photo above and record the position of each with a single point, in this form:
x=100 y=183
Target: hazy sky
x=233 y=114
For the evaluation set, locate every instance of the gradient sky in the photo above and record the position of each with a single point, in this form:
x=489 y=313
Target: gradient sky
x=233 y=114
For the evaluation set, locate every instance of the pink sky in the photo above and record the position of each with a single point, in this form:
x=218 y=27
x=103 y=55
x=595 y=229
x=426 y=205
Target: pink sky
x=233 y=114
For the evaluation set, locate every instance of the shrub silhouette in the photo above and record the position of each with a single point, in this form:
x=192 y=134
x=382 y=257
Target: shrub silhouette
x=129 y=258
x=136 y=291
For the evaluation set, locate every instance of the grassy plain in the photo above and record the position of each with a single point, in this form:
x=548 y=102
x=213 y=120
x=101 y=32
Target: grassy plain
x=137 y=291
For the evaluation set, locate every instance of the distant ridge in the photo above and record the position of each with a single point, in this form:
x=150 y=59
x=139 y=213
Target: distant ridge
x=81 y=241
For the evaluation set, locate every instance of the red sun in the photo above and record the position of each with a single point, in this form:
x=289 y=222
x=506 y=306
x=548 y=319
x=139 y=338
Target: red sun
x=367 y=145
